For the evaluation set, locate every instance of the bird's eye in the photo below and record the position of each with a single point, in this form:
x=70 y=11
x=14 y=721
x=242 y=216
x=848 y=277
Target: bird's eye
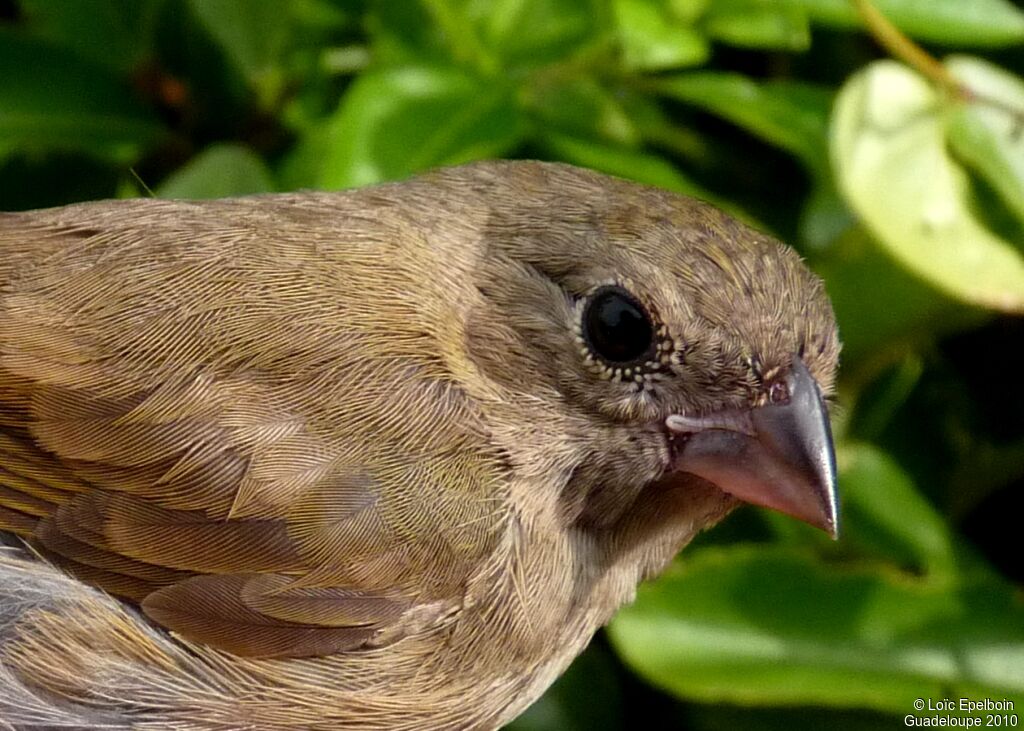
x=616 y=326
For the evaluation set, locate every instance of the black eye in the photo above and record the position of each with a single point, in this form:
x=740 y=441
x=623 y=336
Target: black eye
x=617 y=327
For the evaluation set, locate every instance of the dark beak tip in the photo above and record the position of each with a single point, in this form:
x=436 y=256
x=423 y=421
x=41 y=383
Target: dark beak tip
x=830 y=525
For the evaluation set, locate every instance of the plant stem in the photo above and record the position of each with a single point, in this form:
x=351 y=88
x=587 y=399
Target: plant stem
x=900 y=46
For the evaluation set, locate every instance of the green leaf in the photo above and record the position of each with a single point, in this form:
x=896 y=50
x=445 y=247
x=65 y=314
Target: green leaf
x=395 y=122
x=825 y=217
x=986 y=133
x=461 y=35
x=791 y=116
x=689 y=11
x=766 y=625
x=879 y=304
x=252 y=35
x=884 y=512
x=531 y=33
x=652 y=39
x=639 y=166
x=486 y=36
x=742 y=23
x=404 y=33
x=949 y=22
x=581 y=107
x=895 y=170
x=886 y=392
x=52 y=99
x=112 y=33
x=218 y=172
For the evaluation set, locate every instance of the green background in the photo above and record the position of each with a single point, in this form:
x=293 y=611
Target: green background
x=906 y=198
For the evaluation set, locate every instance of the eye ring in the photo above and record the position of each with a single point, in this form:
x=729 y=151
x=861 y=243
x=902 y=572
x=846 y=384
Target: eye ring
x=617 y=328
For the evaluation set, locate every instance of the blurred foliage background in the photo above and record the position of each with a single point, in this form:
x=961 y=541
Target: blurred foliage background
x=905 y=193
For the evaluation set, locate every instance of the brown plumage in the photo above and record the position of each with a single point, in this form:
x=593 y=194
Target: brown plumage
x=361 y=452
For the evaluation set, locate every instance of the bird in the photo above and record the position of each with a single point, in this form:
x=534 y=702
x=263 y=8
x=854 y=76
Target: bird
x=383 y=458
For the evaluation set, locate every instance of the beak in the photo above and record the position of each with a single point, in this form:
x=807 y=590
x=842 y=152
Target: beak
x=779 y=455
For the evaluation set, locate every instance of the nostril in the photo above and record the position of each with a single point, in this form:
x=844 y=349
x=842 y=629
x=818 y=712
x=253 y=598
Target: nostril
x=778 y=393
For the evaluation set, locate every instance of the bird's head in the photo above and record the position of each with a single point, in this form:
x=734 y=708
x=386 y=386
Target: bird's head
x=672 y=344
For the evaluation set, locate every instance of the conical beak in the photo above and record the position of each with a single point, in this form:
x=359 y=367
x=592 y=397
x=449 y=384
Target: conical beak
x=779 y=455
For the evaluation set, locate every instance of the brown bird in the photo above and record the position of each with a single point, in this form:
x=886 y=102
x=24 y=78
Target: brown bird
x=378 y=459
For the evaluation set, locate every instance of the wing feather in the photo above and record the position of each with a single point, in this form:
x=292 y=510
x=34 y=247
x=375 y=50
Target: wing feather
x=211 y=609
x=246 y=426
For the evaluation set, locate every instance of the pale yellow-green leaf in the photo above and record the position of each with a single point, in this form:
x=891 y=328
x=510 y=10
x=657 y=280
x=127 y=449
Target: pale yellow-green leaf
x=987 y=133
x=894 y=167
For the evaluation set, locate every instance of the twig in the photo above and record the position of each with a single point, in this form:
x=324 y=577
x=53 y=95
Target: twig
x=903 y=48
